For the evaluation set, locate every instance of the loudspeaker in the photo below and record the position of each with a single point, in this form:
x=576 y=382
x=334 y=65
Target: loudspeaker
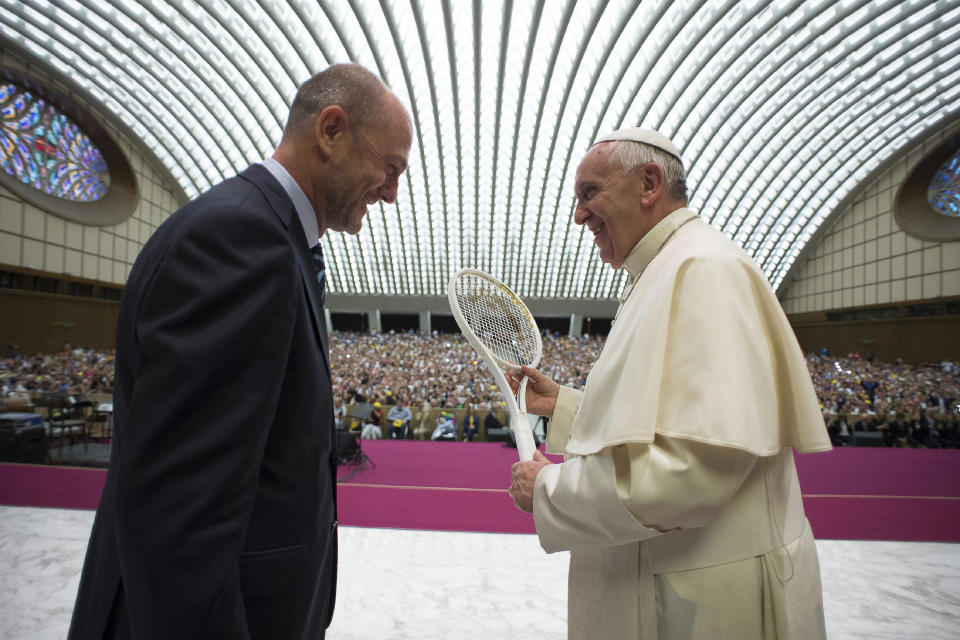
x=23 y=438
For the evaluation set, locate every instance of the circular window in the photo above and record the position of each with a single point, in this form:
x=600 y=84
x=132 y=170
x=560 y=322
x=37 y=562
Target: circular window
x=927 y=205
x=55 y=155
x=944 y=190
x=43 y=148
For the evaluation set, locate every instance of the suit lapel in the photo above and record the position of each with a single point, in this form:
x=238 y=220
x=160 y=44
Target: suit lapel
x=309 y=274
x=284 y=209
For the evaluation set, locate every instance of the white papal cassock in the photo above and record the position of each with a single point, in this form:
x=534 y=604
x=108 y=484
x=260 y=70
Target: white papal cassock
x=678 y=496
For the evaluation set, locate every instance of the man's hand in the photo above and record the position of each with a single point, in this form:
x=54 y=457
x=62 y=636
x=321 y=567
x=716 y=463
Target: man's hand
x=542 y=392
x=524 y=476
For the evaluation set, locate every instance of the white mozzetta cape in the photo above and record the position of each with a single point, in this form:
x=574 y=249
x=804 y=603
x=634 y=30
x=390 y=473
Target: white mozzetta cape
x=700 y=349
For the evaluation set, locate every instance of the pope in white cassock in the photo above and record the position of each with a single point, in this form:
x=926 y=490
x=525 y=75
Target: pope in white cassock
x=678 y=495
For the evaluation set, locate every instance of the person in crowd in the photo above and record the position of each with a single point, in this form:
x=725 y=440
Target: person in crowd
x=424 y=426
x=339 y=412
x=843 y=432
x=371 y=429
x=491 y=422
x=399 y=418
x=446 y=427
x=218 y=518
x=375 y=417
x=677 y=497
x=471 y=424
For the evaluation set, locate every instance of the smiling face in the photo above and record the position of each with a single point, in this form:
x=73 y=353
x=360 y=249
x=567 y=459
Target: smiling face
x=368 y=168
x=618 y=208
x=607 y=203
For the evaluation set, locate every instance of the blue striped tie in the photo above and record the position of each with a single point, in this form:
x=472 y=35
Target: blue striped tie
x=321 y=268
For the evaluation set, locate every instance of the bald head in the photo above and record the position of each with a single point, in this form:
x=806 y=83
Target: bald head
x=346 y=144
x=352 y=87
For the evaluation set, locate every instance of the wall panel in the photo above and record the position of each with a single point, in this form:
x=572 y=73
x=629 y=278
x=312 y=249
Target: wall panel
x=918 y=339
x=33 y=322
x=865 y=247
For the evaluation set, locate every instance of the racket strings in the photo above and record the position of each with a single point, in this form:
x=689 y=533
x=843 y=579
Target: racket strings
x=497 y=319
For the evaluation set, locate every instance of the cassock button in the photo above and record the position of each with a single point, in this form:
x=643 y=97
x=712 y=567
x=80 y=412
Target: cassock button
x=333 y=526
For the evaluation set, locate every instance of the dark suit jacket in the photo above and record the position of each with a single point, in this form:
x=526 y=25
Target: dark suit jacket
x=218 y=518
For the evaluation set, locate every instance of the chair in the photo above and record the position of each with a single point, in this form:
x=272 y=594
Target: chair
x=65 y=417
x=100 y=422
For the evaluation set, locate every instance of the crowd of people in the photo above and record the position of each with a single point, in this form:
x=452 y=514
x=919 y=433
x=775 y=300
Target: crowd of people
x=72 y=372
x=901 y=404
x=439 y=368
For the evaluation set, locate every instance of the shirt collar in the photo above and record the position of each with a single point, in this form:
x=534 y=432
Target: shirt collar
x=645 y=250
x=308 y=217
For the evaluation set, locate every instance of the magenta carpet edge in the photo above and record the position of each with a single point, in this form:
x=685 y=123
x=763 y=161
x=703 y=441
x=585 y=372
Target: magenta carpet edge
x=865 y=494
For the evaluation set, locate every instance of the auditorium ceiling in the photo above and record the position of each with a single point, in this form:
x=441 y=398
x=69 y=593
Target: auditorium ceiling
x=780 y=109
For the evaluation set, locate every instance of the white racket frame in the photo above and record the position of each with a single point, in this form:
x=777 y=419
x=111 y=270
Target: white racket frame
x=526 y=444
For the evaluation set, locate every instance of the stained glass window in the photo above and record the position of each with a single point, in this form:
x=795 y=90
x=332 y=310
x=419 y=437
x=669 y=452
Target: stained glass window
x=944 y=190
x=43 y=148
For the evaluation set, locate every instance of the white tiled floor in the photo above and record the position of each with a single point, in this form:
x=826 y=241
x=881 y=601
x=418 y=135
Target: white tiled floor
x=464 y=586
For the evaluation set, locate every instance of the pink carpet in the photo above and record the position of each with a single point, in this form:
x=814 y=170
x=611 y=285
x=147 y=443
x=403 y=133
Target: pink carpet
x=849 y=493
x=450 y=486
x=855 y=493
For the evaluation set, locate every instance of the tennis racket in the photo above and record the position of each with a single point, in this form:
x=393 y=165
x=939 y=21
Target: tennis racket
x=502 y=330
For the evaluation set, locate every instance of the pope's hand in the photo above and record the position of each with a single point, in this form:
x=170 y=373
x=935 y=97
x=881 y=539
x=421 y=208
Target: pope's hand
x=542 y=392
x=524 y=477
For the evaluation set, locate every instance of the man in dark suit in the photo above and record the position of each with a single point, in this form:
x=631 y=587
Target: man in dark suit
x=218 y=518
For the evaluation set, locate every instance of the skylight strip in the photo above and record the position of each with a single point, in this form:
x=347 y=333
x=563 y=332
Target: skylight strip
x=173 y=70
x=188 y=37
x=738 y=83
x=723 y=46
x=636 y=33
x=226 y=30
x=868 y=160
x=430 y=28
x=907 y=122
x=880 y=105
x=518 y=180
x=783 y=83
x=382 y=33
x=873 y=104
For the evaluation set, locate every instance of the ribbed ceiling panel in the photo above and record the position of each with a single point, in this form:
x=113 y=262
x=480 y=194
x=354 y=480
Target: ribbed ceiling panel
x=780 y=108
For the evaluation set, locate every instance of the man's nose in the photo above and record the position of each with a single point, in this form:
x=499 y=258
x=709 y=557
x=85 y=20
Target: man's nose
x=580 y=214
x=388 y=192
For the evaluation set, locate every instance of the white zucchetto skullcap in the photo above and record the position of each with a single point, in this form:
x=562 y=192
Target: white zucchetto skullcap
x=646 y=136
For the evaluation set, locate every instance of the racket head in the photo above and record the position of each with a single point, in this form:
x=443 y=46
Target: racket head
x=492 y=315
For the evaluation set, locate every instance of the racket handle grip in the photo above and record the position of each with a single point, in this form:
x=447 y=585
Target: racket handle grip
x=526 y=445
x=522 y=395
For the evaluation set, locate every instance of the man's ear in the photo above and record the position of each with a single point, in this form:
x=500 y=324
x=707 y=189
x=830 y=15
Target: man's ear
x=329 y=128
x=653 y=183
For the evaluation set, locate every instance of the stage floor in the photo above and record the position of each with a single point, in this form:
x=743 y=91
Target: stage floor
x=425 y=585
x=432 y=547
